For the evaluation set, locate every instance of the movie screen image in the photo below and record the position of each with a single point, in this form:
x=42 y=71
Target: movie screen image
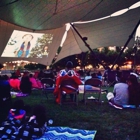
x=28 y=45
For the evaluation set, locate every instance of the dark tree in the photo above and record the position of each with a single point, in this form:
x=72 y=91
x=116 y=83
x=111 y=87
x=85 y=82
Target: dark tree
x=1 y=66
x=38 y=50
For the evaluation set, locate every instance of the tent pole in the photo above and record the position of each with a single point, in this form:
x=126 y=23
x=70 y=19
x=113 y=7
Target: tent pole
x=87 y=45
x=130 y=37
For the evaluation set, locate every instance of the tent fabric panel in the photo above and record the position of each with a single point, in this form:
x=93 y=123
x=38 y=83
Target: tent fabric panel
x=107 y=7
x=70 y=46
x=42 y=15
x=113 y=31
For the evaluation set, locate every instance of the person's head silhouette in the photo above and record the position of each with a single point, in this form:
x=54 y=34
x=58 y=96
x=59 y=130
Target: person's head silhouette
x=69 y=65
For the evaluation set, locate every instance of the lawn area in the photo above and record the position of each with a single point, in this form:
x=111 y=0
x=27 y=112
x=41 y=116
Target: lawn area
x=110 y=123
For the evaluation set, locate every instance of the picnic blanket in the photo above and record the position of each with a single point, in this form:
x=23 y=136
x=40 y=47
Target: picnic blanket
x=67 y=133
x=17 y=94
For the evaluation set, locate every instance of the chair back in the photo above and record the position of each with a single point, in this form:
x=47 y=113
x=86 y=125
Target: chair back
x=69 y=83
x=94 y=82
x=48 y=82
x=72 y=87
x=126 y=73
x=111 y=77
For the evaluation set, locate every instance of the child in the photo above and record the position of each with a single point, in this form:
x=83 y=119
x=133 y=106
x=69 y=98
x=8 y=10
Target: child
x=14 y=120
x=36 y=126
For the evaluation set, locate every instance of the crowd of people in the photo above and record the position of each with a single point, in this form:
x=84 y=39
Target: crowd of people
x=69 y=73
x=18 y=125
x=125 y=92
x=14 y=122
x=24 y=83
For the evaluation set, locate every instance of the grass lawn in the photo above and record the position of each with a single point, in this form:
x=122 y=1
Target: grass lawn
x=110 y=123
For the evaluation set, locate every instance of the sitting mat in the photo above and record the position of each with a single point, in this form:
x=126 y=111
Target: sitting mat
x=67 y=133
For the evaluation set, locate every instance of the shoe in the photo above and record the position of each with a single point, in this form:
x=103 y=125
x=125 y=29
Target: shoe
x=110 y=103
x=116 y=106
x=91 y=97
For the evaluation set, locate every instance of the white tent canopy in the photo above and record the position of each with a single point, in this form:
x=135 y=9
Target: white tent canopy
x=113 y=31
x=50 y=17
x=50 y=14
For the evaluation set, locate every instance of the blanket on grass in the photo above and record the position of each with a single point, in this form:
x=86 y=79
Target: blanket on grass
x=17 y=94
x=67 y=133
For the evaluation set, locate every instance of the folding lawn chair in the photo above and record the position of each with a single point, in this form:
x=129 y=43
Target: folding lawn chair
x=88 y=92
x=48 y=86
x=71 y=86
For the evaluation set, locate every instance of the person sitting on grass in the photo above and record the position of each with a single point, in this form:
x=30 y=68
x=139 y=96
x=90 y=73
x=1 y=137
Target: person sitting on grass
x=134 y=90
x=25 y=85
x=35 y=83
x=14 y=83
x=120 y=95
x=5 y=98
x=36 y=125
x=14 y=120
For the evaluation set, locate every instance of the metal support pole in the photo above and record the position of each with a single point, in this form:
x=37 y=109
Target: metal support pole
x=130 y=37
x=87 y=45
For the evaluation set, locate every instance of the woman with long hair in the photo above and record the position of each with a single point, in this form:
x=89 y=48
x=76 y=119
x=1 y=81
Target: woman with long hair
x=25 y=85
x=134 y=90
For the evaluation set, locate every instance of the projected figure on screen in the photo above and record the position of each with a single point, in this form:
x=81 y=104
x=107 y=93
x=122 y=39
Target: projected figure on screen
x=24 y=49
x=45 y=51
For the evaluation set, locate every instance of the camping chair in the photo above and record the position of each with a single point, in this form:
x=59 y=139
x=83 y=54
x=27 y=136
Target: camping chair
x=111 y=78
x=126 y=74
x=72 y=87
x=96 y=83
x=48 y=86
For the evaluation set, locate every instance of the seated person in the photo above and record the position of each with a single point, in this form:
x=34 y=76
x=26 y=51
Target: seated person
x=25 y=85
x=99 y=75
x=64 y=74
x=14 y=120
x=35 y=83
x=105 y=76
x=17 y=111
x=36 y=125
x=17 y=73
x=5 y=97
x=118 y=74
x=94 y=75
x=6 y=77
x=36 y=74
x=120 y=96
x=134 y=90
x=88 y=76
x=15 y=83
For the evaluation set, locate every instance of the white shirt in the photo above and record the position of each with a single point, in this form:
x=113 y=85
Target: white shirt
x=121 y=93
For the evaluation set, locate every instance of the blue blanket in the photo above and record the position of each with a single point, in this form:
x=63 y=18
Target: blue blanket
x=67 y=133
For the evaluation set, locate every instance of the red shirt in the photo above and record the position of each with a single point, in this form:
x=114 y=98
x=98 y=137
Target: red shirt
x=15 y=84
